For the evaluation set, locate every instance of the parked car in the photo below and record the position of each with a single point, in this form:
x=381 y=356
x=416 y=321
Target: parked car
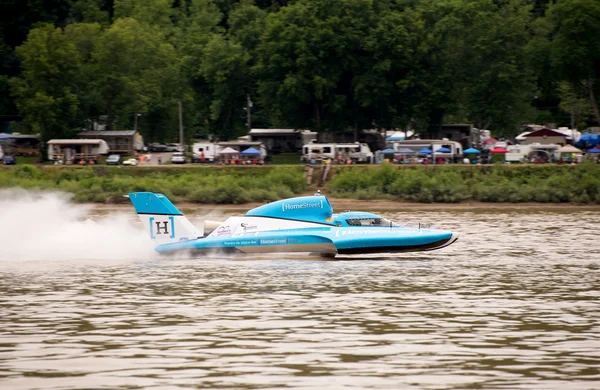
x=131 y=162
x=178 y=158
x=9 y=160
x=113 y=159
x=157 y=147
x=174 y=148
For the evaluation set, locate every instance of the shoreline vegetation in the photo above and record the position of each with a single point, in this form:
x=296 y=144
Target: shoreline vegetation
x=384 y=185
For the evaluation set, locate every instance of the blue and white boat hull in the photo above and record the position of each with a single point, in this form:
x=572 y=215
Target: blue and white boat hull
x=304 y=224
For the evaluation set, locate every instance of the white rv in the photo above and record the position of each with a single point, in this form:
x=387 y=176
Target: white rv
x=357 y=152
x=456 y=149
x=211 y=151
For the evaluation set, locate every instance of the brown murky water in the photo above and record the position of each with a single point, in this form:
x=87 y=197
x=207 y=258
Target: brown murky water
x=513 y=304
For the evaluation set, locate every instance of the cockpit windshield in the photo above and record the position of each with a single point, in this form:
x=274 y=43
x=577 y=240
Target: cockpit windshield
x=371 y=221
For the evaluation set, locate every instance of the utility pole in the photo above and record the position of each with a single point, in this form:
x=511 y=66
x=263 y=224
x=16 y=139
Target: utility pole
x=135 y=121
x=181 y=125
x=248 y=112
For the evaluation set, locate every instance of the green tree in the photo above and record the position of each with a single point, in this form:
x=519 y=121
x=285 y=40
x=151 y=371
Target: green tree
x=46 y=92
x=310 y=54
x=90 y=11
x=576 y=45
x=131 y=62
x=484 y=47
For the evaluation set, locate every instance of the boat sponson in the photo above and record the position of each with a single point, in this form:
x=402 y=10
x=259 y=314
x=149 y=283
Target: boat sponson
x=399 y=249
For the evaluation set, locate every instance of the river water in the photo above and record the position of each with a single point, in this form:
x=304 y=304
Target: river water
x=513 y=304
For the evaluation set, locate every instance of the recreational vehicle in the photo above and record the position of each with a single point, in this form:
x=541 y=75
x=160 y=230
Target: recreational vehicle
x=356 y=152
x=416 y=145
x=215 y=151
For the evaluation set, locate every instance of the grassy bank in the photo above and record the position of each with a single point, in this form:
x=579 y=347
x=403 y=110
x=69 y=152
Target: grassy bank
x=194 y=184
x=451 y=184
x=235 y=185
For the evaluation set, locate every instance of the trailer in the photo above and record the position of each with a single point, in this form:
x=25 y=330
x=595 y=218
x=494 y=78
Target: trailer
x=354 y=152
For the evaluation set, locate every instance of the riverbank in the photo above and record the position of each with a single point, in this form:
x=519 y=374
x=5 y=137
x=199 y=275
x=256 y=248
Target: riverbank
x=414 y=186
x=343 y=204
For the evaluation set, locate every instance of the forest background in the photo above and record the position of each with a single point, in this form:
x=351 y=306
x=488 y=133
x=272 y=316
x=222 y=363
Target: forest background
x=325 y=65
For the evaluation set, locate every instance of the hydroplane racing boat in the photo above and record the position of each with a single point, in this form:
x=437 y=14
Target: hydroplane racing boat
x=302 y=224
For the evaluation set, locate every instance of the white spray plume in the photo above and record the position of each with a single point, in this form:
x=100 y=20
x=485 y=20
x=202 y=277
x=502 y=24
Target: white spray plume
x=47 y=226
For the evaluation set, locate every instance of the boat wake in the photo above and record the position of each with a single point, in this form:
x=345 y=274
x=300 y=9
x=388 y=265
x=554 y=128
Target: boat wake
x=47 y=226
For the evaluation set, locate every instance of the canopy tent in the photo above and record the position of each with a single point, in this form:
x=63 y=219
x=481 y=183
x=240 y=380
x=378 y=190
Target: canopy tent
x=405 y=151
x=425 y=151
x=471 y=151
x=490 y=141
x=499 y=150
x=250 y=151
x=228 y=150
x=443 y=150
x=388 y=151
x=569 y=149
x=587 y=141
x=594 y=150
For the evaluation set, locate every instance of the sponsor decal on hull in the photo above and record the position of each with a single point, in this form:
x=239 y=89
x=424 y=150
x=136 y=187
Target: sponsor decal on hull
x=301 y=206
x=223 y=230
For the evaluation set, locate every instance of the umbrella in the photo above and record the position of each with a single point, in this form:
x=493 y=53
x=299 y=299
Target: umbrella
x=594 y=150
x=250 y=151
x=388 y=151
x=472 y=151
x=405 y=151
x=425 y=151
x=443 y=150
x=499 y=150
x=228 y=150
x=568 y=149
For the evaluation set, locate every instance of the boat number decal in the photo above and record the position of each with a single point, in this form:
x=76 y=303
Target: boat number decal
x=162 y=228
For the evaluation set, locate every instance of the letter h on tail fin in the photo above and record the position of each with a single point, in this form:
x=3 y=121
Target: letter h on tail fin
x=162 y=219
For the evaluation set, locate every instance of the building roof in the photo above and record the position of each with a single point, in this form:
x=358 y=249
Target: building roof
x=545 y=132
x=107 y=133
x=75 y=141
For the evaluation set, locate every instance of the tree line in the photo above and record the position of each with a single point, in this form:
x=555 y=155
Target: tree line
x=325 y=65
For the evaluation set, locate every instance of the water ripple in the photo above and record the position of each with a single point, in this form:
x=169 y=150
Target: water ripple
x=513 y=304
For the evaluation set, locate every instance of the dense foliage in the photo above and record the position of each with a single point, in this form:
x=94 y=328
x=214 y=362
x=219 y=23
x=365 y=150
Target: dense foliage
x=196 y=184
x=327 y=65
x=426 y=184
x=451 y=184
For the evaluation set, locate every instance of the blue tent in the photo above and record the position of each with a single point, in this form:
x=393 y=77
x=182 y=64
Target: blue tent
x=425 y=151
x=587 y=141
x=594 y=150
x=388 y=151
x=443 y=150
x=250 y=151
x=405 y=151
x=471 y=151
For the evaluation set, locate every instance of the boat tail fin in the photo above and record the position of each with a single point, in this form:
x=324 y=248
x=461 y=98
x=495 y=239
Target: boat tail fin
x=164 y=222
